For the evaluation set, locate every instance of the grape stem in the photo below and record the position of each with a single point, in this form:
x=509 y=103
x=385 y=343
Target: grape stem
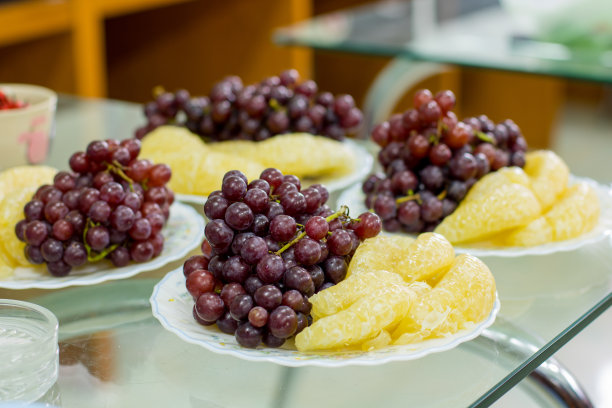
x=409 y=197
x=484 y=137
x=116 y=168
x=343 y=211
x=91 y=255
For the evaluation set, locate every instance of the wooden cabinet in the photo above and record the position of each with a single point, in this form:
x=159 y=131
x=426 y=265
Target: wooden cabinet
x=123 y=48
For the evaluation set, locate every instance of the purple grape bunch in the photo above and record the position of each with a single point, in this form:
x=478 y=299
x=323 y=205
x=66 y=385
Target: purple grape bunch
x=270 y=245
x=431 y=160
x=276 y=105
x=111 y=205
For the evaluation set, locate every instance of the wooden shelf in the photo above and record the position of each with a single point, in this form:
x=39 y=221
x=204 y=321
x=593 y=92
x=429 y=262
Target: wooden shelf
x=66 y=44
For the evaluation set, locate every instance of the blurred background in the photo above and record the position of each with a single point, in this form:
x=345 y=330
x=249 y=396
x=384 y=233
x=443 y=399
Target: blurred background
x=122 y=49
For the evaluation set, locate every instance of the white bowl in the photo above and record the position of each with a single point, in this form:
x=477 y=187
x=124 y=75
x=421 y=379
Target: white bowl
x=25 y=133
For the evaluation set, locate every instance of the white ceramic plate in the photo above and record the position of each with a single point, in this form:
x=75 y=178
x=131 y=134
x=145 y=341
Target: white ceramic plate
x=363 y=167
x=183 y=232
x=354 y=198
x=172 y=305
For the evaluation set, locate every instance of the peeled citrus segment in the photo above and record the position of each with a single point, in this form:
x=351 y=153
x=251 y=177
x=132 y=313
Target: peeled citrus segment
x=11 y=211
x=492 y=181
x=549 y=176
x=351 y=289
x=171 y=139
x=18 y=177
x=464 y=296
x=361 y=321
x=301 y=154
x=195 y=169
x=507 y=206
x=5 y=269
x=414 y=260
x=381 y=340
x=576 y=212
x=382 y=252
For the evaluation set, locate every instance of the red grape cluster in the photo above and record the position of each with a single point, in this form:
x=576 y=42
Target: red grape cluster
x=431 y=160
x=278 y=104
x=113 y=205
x=269 y=246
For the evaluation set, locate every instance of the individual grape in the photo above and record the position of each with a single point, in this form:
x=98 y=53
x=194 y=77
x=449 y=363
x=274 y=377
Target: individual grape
x=282 y=322
x=380 y=134
x=518 y=159
x=229 y=291
x=215 y=207
x=463 y=166
x=259 y=184
x=248 y=335
x=64 y=181
x=502 y=159
x=268 y=297
x=97 y=238
x=270 y=268
x=36 y=232
x=33 y=254
x=340 y=242
x=488 y=150
x=432 y=177
x=316 y=228
x=272 y=176
x=257 y=200
x=235 y=269
x=446 y=100
x=253 y=250
x=241 y=306
x=98 y=212
x=239 y=216
x=258 y=316
x=482 y=165
x=252 y=283
x=448 y=206
x=218 y=233
x=298 y=278
x=52 y=250
x=421 y=97
x=307 y=252
x=227 y=324
x=62 y=230
x=260 y=225
x=385 y=207
x=142 y=251
x=75 y=254
x=368 y=226
x=335 y=268
x=141 y=229
x=78 y=162
x=209 y=306
x=198 y=319
x=284 y=188
x=283 y=228
x=58 y=268
x=456 y=190
x=418 y=146
x=408 y=212
x=316 y=274
x=199 y=281
x=440 y=154
x=431 y=209
x=97 y=151
x=430 y=111
x=272 y=341
x=33 y=210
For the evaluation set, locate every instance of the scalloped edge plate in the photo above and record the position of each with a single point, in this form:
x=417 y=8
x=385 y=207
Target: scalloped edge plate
x=172 y=305
x=183 y=232
x=354 y=198
x=363 y=166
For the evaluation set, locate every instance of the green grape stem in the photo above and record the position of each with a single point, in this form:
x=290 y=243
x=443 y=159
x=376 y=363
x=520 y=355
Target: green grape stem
x=343 y=211
x=409 y=197
x=117 y=168
x=485 y=138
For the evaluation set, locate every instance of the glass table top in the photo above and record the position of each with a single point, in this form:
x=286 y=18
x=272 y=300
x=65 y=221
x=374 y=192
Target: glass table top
x=457 y=32
x=113 y=352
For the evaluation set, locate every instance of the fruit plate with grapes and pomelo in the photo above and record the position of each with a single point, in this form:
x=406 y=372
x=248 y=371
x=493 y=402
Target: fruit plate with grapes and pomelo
x=280 y=122
x=278 y=262
x=475 y=182
x=110 y=216
x=183 y=233
x=172 y=305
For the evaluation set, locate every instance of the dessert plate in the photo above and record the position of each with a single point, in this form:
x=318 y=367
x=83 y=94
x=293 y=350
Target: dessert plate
x=172 y=305
x=354 y=198
x=183 y=232
x=363 y=166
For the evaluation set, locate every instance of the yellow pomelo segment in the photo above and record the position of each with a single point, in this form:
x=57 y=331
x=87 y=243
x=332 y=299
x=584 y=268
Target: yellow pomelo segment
x=361 y=321
x=351 y=289
x=195 y=169
x=11 y=211
x=576 y=212
x=537 y=232
x=383 y=339
x=507 y=206
x=414 y=260
x=463 y=297
x=18 y=177
x=492 y=181
x=171 y=139
x=549 y=176
x=379 y=252
x=301 y=154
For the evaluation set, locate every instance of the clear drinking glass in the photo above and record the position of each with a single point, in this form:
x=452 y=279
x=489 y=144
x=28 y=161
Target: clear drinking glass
x=29 y=352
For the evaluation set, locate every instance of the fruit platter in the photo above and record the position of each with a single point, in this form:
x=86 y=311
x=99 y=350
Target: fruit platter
x=279 y=122
x=109 y=217
x=282 y=277
x=474 y=182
